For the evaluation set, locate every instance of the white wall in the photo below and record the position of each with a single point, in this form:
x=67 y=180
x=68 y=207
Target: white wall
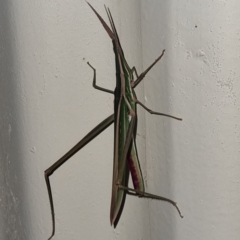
x=195 y=162
x=47 y=104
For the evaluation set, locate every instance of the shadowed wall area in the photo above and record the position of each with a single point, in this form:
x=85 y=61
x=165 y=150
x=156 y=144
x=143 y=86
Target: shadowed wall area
x=14 y=220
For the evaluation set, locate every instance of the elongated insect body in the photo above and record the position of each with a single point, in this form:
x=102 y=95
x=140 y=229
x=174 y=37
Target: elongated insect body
x=125 y=154
x=125 y=159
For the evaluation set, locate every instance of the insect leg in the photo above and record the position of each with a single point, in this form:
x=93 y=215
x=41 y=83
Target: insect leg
x=94 y=81
x=48 y=172
x=142 y=75
x=156 y=113
x=134 y=70
x=152 y=196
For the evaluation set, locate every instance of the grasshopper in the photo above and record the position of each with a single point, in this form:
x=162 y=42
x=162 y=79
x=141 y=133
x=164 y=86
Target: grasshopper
x=125 y=158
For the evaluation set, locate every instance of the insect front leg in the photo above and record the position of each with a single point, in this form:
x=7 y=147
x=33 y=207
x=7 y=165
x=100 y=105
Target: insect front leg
x=143 y=74
x=94 y=81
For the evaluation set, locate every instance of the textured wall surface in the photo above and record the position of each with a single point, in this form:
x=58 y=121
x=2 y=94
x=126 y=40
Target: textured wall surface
x=196 y=162
x=47 y=105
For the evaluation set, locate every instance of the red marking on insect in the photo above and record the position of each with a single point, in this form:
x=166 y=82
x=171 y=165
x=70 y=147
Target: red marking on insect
x=133 y=171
